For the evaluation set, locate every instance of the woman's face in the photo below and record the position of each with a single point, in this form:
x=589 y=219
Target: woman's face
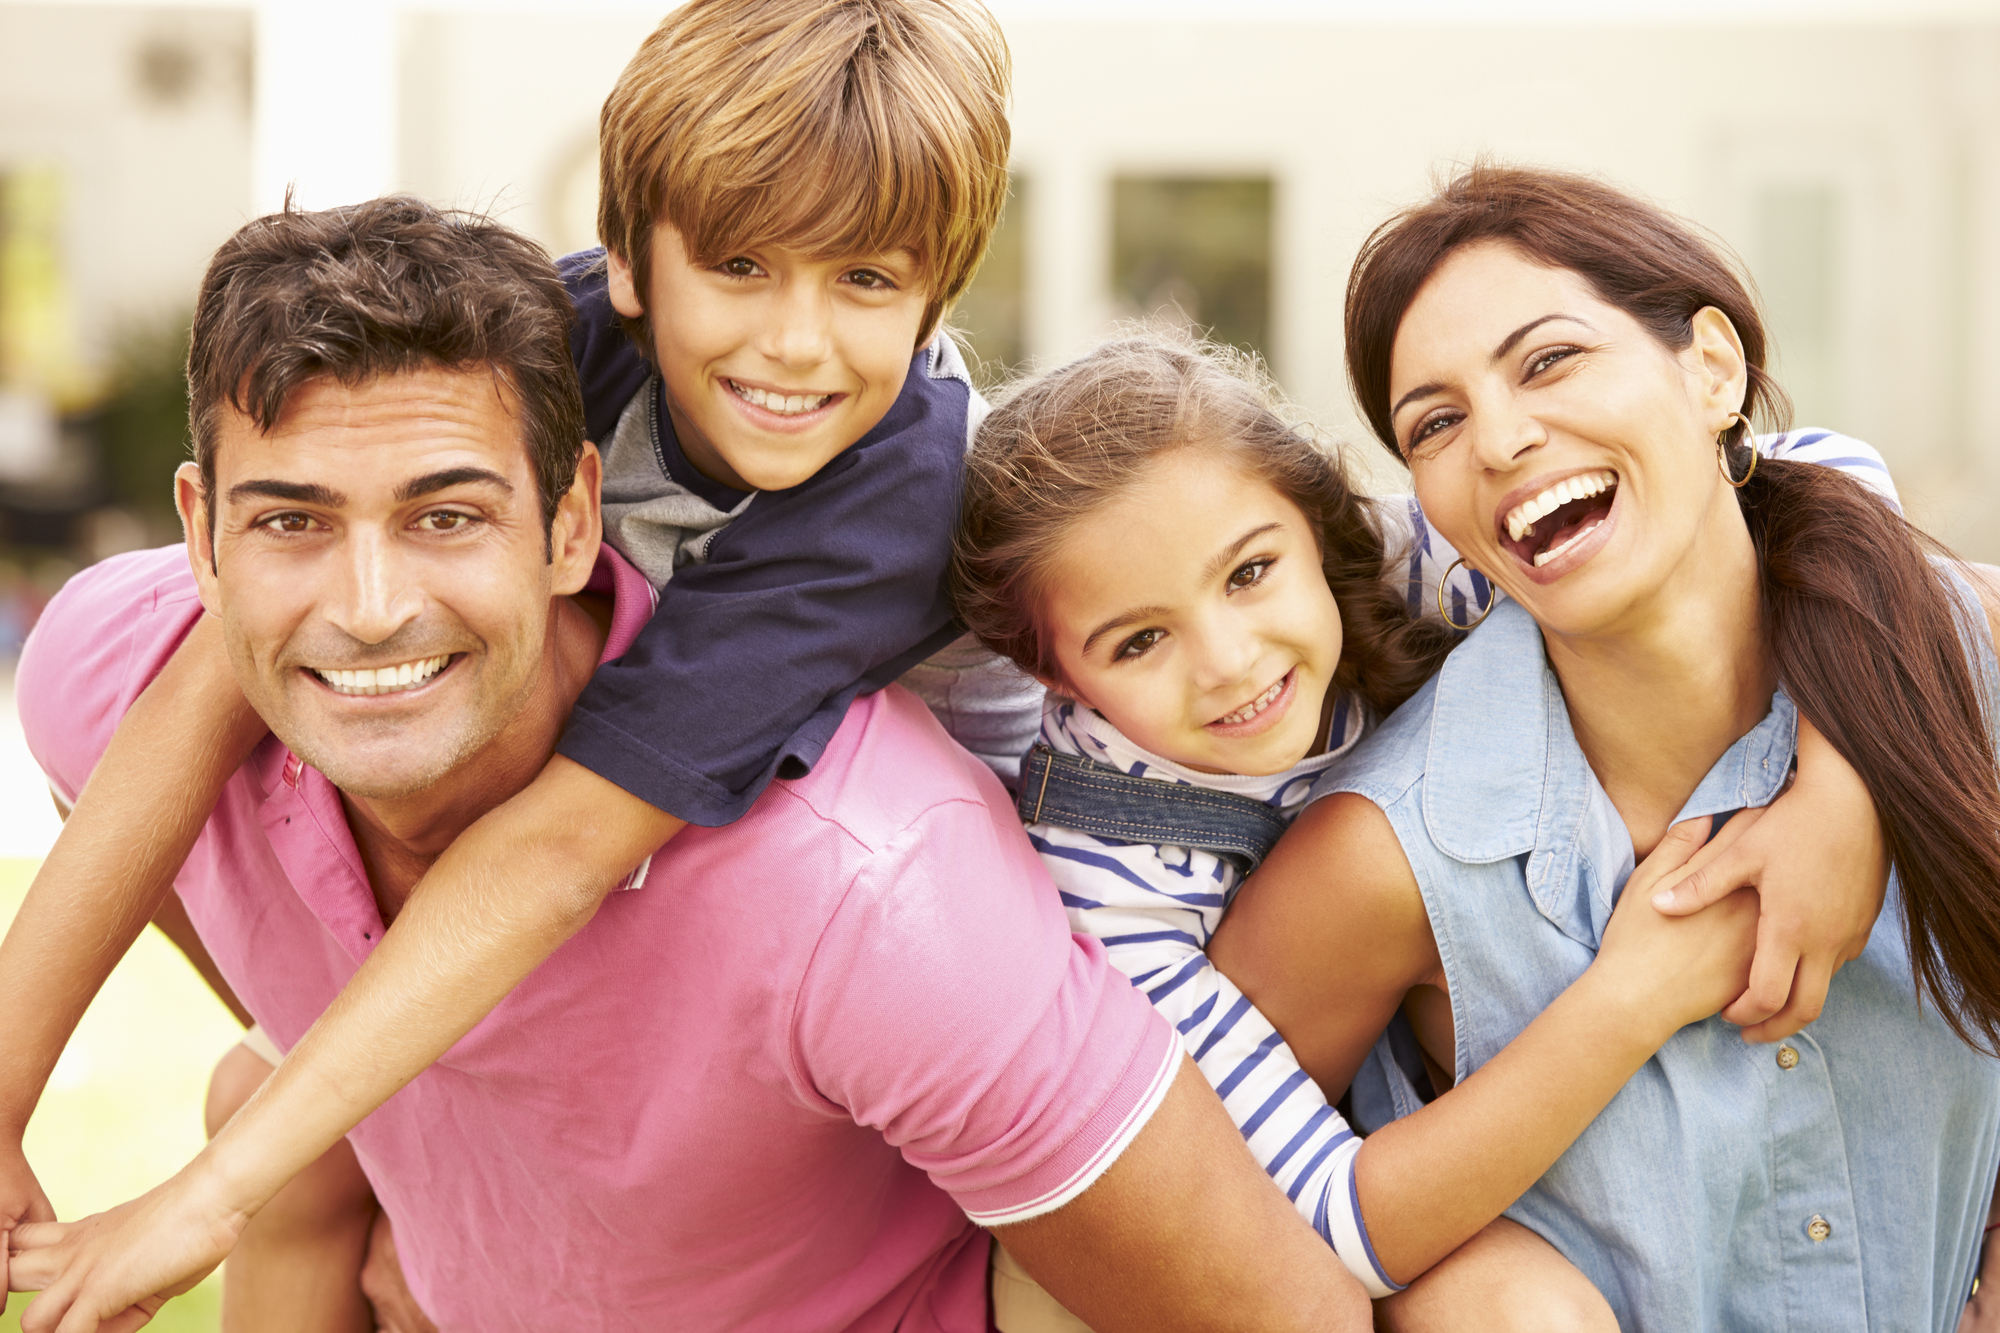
x=1192 y=612
x=1566 y=452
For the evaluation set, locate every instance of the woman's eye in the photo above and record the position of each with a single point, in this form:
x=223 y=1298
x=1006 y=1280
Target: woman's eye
x=1138 y=644
x=287 y=523
x=1548 y=357
x=740 y=267
x=1436 y=424
x=1248 y=575
x=445 y=520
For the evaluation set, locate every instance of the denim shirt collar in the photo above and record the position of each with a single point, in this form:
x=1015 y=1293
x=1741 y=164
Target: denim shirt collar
x=1505 y=777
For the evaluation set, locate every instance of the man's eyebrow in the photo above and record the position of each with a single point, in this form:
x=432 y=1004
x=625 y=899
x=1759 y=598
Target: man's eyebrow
x=1219 y=562
x=432 y=482
x=1507 y=344
x=293 y=492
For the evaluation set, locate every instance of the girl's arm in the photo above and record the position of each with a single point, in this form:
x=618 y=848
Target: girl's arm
x=121 y=846
x=1308 y=953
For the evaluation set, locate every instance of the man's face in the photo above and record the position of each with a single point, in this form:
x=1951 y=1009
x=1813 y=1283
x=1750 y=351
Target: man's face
x=774 y=361
x=381 y=571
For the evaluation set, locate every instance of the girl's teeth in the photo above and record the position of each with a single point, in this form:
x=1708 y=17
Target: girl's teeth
x=384 y=680
x=1256 y=705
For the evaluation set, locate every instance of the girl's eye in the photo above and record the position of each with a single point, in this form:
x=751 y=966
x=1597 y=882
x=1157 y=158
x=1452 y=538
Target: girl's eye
x=1249 y=575
x=742 y=266
x=1138 y=644
x=287 y=523
x=1542 y=360
x=445 y=520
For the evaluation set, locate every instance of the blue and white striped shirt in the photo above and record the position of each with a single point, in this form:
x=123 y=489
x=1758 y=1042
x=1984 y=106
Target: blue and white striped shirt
x=1155 y=906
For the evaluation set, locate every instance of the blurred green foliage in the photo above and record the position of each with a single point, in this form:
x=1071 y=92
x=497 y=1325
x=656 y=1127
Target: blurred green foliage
x=141 y=423
x=1199 y=244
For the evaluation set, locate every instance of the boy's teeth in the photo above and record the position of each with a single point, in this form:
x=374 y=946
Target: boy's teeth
x=384 y=680
x=1255 y=706
x=1529 y=512
x=785 y=405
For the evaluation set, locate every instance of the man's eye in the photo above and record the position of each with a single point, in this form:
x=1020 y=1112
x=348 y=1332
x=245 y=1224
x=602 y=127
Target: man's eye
x=287 y=523
x=445 y=520
x=1249 y=574
x=1138 y=644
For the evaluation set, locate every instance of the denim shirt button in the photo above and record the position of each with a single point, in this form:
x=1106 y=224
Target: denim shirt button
x=1788 y=1057
x=1817 y=1228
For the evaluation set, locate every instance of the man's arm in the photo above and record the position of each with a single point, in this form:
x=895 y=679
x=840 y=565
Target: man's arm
x=1185 y=1231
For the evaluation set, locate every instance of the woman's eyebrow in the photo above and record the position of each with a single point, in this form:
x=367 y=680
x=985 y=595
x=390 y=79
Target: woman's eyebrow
x=1507 y=344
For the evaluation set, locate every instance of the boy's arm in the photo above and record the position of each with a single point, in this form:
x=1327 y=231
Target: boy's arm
x=126 y=838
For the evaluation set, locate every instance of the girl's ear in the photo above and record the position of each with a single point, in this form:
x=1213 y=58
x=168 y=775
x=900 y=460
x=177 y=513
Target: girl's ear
x=1722 y=372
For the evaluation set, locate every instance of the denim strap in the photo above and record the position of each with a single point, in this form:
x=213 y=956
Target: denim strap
x=1075 y=793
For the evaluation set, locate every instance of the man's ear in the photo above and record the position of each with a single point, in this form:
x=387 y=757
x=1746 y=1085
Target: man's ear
x=1722 y=372
x=192 y=503
x=579 y=526
x=624 y=290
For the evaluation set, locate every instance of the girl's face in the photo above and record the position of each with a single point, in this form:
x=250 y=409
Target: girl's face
x=1191 y=612
x=1565 y=451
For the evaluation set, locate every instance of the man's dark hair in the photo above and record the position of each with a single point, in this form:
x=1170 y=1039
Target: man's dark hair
x=378 y=288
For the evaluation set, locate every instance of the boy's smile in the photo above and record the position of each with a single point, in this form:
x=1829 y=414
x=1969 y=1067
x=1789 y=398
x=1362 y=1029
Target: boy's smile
x=775 y=361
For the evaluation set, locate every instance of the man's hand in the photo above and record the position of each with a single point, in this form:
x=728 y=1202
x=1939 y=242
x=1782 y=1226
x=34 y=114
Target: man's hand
x=110 y=1272
x=396 y=1310
x=1820 y=867
x=21 y=1200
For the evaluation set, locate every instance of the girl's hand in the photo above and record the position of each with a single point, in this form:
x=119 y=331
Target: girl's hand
x=1820 y=868
x=21 y=1201
x=112 y=1271
x=1676 y=970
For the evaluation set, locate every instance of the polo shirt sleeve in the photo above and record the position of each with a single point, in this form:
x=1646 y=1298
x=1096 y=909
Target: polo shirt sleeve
x=949 y=1007
x=102 y=638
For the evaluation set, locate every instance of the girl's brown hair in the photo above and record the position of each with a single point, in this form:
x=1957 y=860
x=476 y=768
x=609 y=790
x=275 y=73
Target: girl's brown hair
x=1865 y=635
x=1062 y=444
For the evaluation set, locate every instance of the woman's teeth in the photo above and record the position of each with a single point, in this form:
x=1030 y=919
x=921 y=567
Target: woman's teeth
x=1256 y=705
x=785 y=405
x=1583 y=530
x=1530 y=512
x=383 y=680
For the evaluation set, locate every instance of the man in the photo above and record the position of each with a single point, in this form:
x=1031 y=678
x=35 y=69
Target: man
x=769 y=1096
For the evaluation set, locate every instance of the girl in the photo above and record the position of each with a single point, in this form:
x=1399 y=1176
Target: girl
x=1211 y=607
x=1570 y=375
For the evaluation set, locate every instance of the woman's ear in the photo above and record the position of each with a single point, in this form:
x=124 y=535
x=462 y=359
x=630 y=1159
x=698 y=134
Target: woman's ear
x=1722 y=372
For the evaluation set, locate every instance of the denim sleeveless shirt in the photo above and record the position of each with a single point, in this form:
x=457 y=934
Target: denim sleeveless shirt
x=1837 y=1181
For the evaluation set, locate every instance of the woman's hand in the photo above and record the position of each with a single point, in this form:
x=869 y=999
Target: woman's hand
x=1676 y=970
x=112 y=1271
x=1820 y=868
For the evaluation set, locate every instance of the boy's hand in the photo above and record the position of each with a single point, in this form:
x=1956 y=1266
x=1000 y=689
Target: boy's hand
x=21 y=1200
x=112 y=1271
x=1820 y=867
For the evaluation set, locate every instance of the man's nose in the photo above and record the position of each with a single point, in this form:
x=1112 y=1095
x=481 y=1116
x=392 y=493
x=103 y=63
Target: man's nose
x=375 y=596
x=799 y=333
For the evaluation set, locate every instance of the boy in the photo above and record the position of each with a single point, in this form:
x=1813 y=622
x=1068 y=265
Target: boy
x=792 y=195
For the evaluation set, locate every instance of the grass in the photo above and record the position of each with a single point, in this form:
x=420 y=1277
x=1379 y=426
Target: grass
x=123 y=1110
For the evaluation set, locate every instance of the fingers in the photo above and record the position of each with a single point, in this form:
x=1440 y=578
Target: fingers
x=1714 y=871
x=1772 y=972
x=1670 y=857
x=1808 y=999
x=135 y=1318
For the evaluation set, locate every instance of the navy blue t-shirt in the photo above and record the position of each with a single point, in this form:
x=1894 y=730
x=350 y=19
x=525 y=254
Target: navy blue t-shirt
x=809 y=597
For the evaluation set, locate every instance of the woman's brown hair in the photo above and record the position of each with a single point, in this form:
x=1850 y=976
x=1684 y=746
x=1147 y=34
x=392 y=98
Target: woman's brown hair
x=1864 y=633
x=1060 y=445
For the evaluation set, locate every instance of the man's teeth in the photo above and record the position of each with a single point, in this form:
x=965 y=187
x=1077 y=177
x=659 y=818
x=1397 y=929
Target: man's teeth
x=384 y=680
x=1544 y=557
x=785 y=405
x=1530 y=512
x=1255 y=706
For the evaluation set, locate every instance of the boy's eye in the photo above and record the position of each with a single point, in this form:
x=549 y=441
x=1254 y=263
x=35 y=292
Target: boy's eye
x=287 y=523
x=445 y=520
x=871 y=280
x=742 y=266
x=1138 y=644
x=1249 y=574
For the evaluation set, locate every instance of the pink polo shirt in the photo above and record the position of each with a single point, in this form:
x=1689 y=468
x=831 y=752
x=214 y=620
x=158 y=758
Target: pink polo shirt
x=763 y=1091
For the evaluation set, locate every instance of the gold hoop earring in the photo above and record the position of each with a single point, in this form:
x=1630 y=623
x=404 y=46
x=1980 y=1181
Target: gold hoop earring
x=1492 y=594
x=1722 y=450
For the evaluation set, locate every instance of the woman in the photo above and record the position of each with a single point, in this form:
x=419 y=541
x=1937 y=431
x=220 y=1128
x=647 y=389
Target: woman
x=1569 y=374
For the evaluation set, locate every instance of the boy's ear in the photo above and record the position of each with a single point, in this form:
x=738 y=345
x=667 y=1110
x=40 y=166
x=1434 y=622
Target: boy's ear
x=192 y=503
x=578 y=528
x=624 y=290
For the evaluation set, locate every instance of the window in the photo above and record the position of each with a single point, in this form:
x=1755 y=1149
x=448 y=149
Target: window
x=1196 y=249
x=992 y=312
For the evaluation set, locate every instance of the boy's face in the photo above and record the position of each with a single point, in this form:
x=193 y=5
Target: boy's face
x=775 y=362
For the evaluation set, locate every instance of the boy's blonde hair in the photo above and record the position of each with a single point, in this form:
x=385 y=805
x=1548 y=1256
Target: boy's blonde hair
x=838 y=127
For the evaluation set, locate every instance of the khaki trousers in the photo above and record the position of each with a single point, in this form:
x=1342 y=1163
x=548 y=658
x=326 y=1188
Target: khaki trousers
x=1021 y=1306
